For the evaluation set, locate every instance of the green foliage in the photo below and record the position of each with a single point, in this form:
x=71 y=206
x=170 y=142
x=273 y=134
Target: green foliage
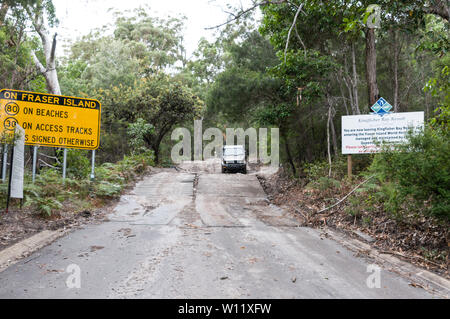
x=46 y=206
x=315 y=68
x=46 y=194
x=107 y=189
x=132 y=73
x=419 y=172
x=139 y=46
x=439 y=86
x=50 y=192
x=136 y=133
x=78 y=164
x=324 y=183
x=157 y=100
x=136 y=164
x=16 y=65
x=435 y=36
x=320 y=168
x=355 y=206
x=243 y=88
x=3 y=193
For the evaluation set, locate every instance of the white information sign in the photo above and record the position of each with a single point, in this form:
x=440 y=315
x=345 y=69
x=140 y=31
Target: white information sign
x=18 y=164
x=360 y=133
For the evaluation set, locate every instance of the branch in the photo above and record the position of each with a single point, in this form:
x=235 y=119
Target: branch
x=325 y=209
x=37 y=20
x=290 y=30
x=52 y=52
x=48 y=165
x=51 y=157
x=38 y=63
x=240 y=14
x=440 y=9
x=300 y=39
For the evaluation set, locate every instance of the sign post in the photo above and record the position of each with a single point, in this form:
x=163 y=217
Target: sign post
x=33 y=169
x=64 y=163
x=4 y=162
x=93 y=166
x=349 y=166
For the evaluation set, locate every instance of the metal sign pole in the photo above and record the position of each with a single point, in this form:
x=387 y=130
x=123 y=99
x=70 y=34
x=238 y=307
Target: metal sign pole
x=64 y=163
x=1 y=171
x=93 y=166
x=34 y=162
x=5 y=160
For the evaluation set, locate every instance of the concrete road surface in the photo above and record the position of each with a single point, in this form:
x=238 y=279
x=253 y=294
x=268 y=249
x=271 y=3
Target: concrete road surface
x=198 y=234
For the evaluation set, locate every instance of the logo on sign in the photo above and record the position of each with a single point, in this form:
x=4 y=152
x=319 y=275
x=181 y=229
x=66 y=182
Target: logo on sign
x=381 y=107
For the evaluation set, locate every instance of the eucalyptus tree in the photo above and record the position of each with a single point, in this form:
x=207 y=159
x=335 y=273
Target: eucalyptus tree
x=42 y=16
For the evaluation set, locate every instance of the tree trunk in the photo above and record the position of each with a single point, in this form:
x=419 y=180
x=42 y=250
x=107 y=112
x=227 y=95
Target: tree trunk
x=328 y=140
x=396 y=48
x=49 y=70
x=333 y=134
x=288 y=151
x=3 y=11
x=344 y=99
x=371 y=67
x=356 y=110
x=156 y=151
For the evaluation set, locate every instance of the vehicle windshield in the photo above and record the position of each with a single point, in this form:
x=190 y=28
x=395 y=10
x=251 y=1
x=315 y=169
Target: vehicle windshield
x=233 y=152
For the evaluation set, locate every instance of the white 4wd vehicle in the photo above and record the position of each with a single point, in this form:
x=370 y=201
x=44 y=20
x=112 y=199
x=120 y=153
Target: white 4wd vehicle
x=234 y=159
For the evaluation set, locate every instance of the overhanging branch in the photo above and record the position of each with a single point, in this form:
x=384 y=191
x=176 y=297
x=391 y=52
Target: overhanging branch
x=299 y=9
x=243 y=12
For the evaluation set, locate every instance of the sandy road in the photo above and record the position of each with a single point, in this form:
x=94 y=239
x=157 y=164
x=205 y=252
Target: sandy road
x=196 y=233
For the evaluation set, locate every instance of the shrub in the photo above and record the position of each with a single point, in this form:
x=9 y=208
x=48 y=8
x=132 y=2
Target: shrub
x=78 y=165
x=46 y=205
x=3 y=193
x=419 y=170
x=324 y=183
x=49 y=190
x=106 y=189
x=136 y=132
x=314 y=171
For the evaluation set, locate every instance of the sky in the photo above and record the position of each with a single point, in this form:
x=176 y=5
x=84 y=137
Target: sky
x=78 y=18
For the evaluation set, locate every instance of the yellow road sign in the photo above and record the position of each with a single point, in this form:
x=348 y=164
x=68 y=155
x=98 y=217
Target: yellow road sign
x=51 y=120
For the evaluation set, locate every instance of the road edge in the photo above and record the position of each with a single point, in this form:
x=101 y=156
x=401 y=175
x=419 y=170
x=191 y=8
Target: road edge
x=427 y=280
x=24 y=248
